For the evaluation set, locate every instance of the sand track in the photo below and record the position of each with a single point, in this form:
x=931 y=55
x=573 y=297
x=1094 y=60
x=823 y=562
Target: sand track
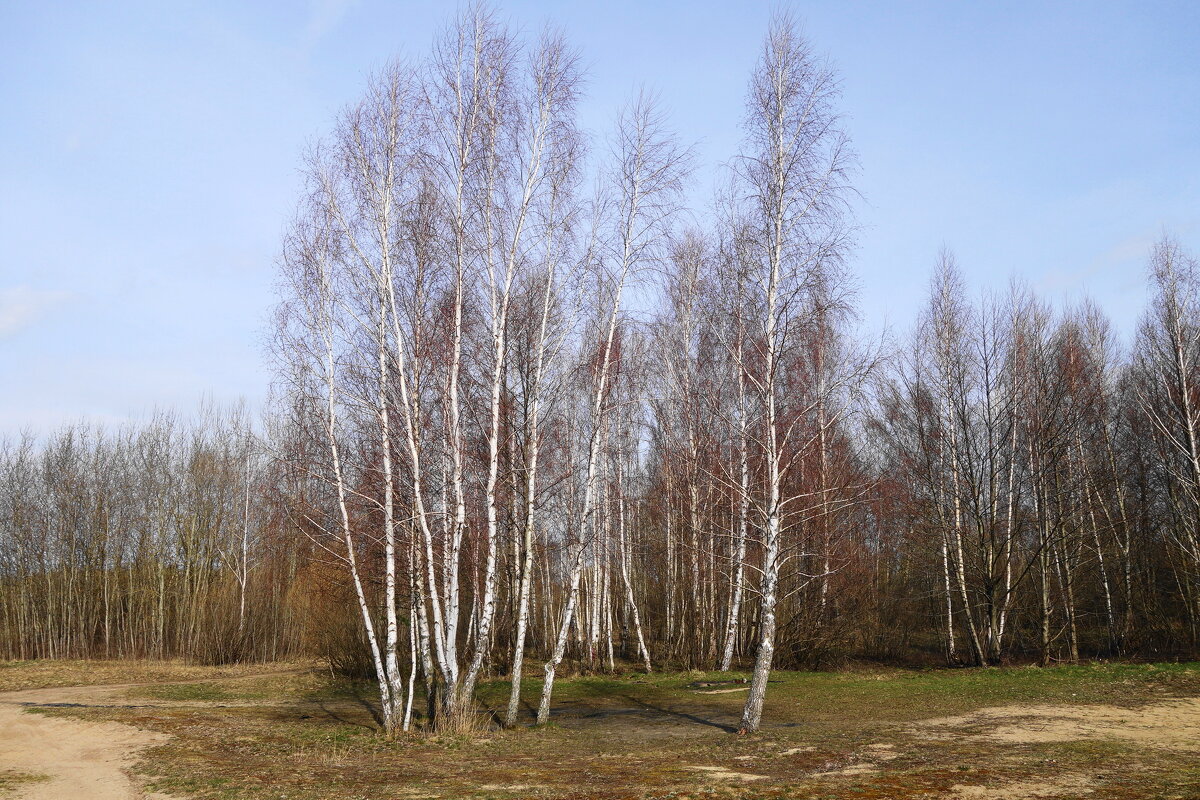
x=79 y=758
x=1169 y=724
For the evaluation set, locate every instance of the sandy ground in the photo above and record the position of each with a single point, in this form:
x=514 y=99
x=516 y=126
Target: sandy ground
x=1171 y=724
x=80 y=759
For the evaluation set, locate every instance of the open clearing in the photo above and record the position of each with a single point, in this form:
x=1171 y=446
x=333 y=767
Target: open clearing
x=282 y=731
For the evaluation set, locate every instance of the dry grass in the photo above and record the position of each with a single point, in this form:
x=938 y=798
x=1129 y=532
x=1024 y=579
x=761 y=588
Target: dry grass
x=46 y=673
x=827 y=735
x=469 y=723
x=11 y=780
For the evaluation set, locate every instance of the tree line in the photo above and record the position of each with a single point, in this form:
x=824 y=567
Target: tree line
x=148 y=541
x=529 y=406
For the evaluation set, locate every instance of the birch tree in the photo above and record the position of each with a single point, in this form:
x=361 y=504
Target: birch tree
x=792 y=177
x=1168 y=360
x=645 y=178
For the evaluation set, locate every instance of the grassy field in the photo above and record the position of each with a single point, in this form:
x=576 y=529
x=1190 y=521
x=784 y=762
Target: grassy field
x=1100 y=731
x=19 y=675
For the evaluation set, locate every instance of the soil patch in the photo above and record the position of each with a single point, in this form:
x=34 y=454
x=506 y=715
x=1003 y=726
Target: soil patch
x=1171 y=724
x=76 y=758
x=70 y=758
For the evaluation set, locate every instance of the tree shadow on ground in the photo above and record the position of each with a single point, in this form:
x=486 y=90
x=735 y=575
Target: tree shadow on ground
x=670 y=713
x=336 y=709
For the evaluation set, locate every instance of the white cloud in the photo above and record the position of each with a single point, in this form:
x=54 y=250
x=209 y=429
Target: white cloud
x=22 y=306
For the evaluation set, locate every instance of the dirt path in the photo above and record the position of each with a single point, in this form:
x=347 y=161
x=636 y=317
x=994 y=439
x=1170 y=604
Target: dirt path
x=1169 y=724
x=1172 y=725
x=79 y=759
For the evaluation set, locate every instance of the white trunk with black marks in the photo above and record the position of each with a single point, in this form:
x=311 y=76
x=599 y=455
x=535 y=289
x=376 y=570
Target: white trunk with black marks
x=791 y=187
x=951 y=646
x=391 y=674
x=772 y=455
x=734 y=612
x=587 y=515
x=956 y=539
x=630 y=601
x=348 y=538
x=649 y=171
x=764 y=658
x=533 y=439
x=525 y=583
x=525 y=576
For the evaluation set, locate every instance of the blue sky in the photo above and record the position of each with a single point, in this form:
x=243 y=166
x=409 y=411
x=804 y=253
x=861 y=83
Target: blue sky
x=149 y=153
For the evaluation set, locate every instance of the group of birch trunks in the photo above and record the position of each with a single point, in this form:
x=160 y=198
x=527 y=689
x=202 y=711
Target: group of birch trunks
x=532 y=411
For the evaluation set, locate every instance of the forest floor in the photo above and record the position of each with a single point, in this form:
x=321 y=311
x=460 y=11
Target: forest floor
x=285 y=731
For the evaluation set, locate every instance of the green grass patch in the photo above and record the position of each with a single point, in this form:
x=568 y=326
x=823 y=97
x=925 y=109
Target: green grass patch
x=184 y=691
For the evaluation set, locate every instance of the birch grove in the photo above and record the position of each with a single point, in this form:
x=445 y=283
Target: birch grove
x=542 y=408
